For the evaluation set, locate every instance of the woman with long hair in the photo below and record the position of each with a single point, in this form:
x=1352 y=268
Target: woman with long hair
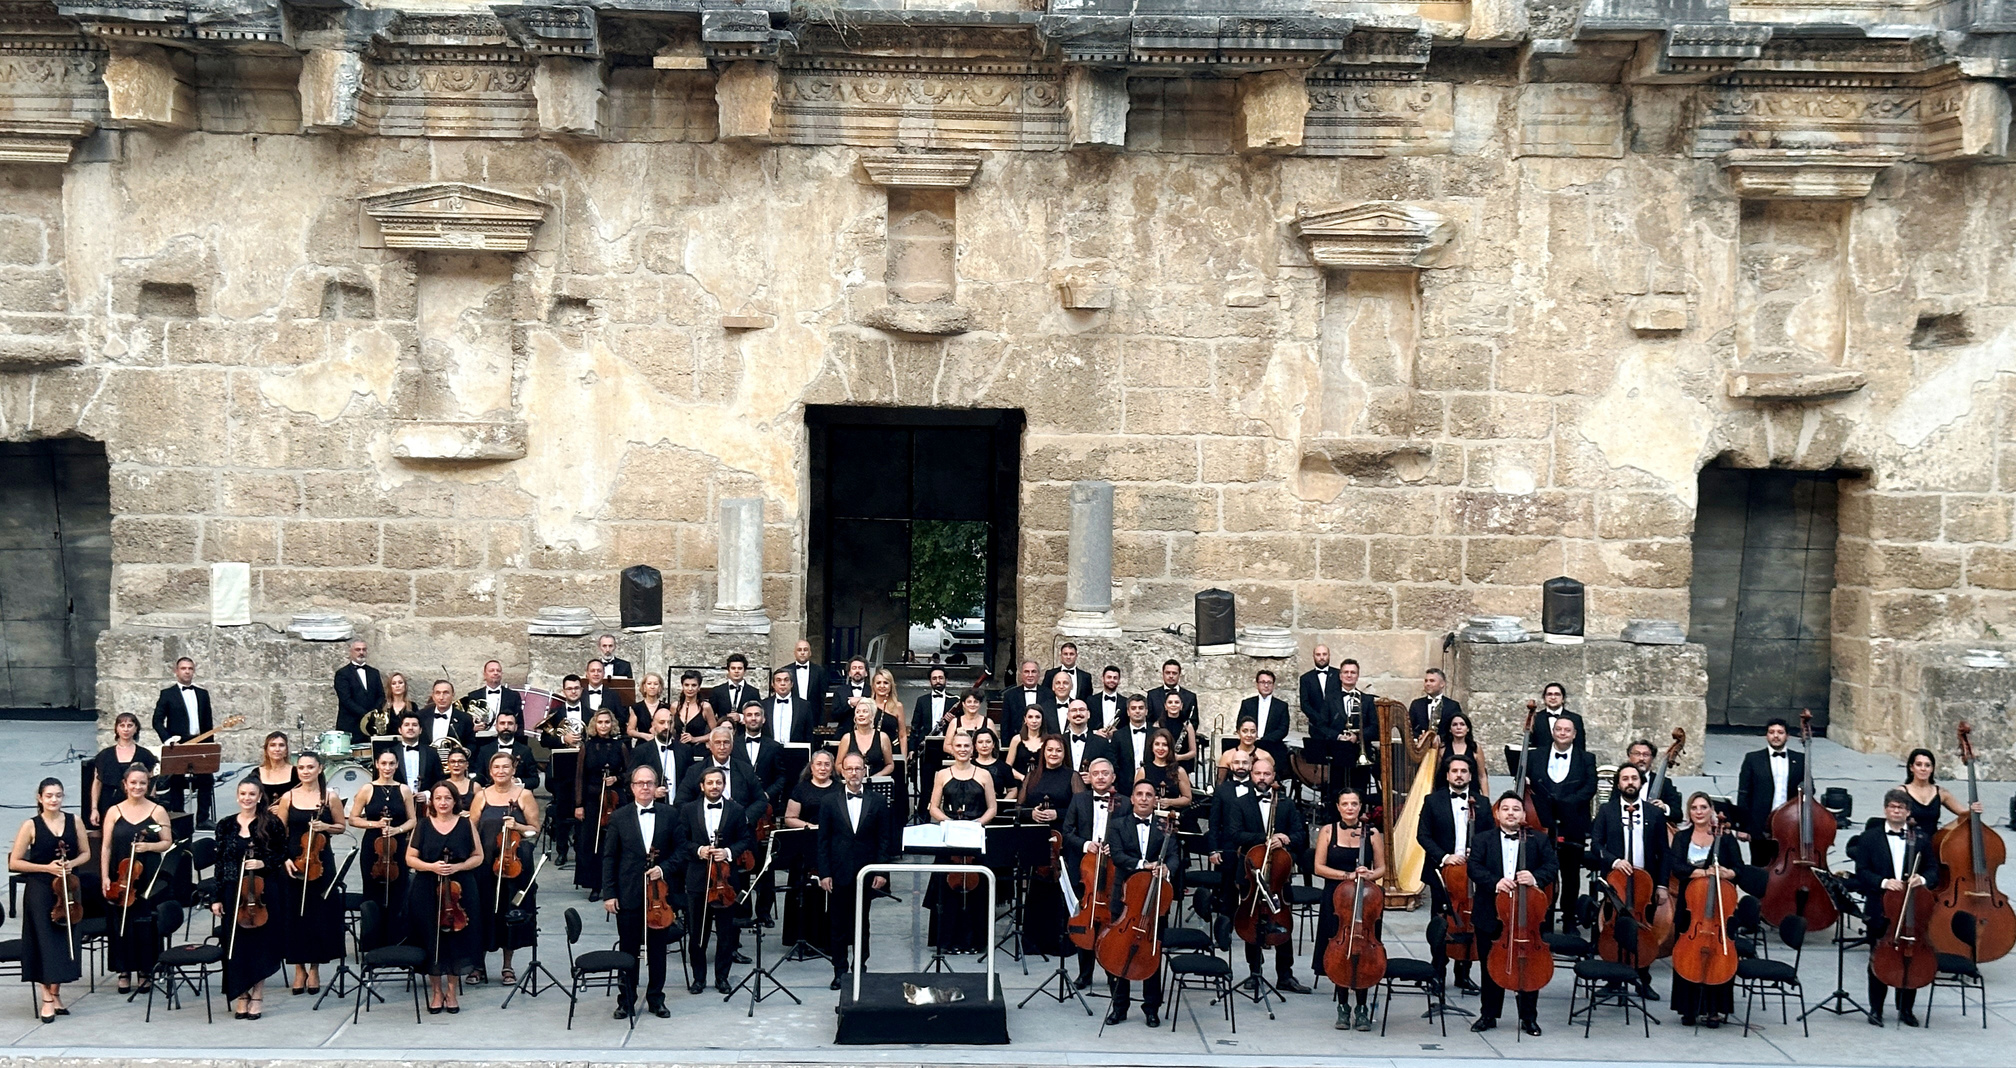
x=650 y=698
x=108 y=768
x=312 y=927
x=1927 y=796
x=250 y=844
x=600 y=770
x=136 y=831
x=1171 y=782
x=276 y=769
x=1699 y=852
x=987 y=757
x=1045 y=795
x=695 y=718
x=506 y=805
x=47 y=849
x=1026 y=747
x=1460 y=739
x=384 y=808
x=444 y=849
x=888 y=709
x=455 y=774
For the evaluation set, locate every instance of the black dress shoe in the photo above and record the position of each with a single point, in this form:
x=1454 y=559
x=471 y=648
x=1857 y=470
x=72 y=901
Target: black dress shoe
x=622 y=1012
x=1484 y=1023
x=695 y=987
x=1904 y=1016
x=659 y=1010
x=1876 y=1018
x=741 y=957
x=1646 y=991
x=1530 y=1027
x=721 y=986
x=1154 y=1019
x=1288 y=984
x=767 y=922
x=836 y=982
x=1115 y=1016
x=1082 y=982
x=1466 y=986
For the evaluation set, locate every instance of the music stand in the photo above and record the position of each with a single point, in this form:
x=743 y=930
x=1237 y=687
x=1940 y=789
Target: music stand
x=793 y=850
x=758 y=973
x=200 y=758
x=1066 y=989
x=1025 y=846
x=344 y=973
x=1840 y=1002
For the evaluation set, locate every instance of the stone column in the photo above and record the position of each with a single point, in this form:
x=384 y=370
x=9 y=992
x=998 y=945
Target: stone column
x=738 y=606
x=1088 y=579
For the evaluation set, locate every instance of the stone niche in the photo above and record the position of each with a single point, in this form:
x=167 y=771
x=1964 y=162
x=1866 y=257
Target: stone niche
x=1623 y=691
x=922 y=276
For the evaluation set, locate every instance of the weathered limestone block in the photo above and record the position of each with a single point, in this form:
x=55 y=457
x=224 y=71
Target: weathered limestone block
x=746 y=96
x=147 y=86
x=1570 y=120
x=1096 y=102
x=1273 y=109
x=1967 y=120
x=571 y=95
x=1623 y=691
x=1658 y=313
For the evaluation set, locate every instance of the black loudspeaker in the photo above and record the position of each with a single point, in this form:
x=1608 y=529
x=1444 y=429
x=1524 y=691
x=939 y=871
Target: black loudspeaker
x=1840 y=802
x=642 y=598
x=1216 y=622
x=1561 y=606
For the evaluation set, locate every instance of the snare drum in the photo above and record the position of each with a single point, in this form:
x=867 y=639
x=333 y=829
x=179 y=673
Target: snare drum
x=333 y=745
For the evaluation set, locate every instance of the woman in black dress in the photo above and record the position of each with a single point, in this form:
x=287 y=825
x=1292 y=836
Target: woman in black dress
x=604 y=759
x=695 y=718
x=1460 y=739
x=1927 y=796
x=275 y=772
x=987 y=757
x=444 y=849
x=1346 y=849
x=1026 y=747
x=1700 y=853
x=650 y=698
x=805 y=907
x=1171 y=782
x=310 y=911
x=136 y=830
x=1182 y=726
x=960 y=791
x=384 y=808
x=455 y=774
x=866 y=740
x=48 y=847
x=1045 y=795
x=109 y=766
x=506 y=805
x=249 y=844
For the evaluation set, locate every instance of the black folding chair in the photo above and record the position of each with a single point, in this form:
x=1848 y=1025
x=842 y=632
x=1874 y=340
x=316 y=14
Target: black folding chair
x=1762 y=977
x=383 y=964
x=1958 y=972
x=597 y=969
x=189 y=965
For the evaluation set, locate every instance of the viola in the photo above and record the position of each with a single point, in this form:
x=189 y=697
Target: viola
x=1804 y=832
x=1519 y=960
x=1969 y=854
x=1095 y=908
x=1904 y=958
x=1131 y=947
x=1706 y=954
x=69 y=906
x=1263 y=917
x=1459 y=937
x=1354 y=958
x=1524 y=786
x=658 y=914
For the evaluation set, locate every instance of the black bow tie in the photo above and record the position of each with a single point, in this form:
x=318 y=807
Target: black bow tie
x=1097 y=800
x=713 y=804
x=854 y=797
x=188 y=687
x=1140 y=730
x=1511 y=837
x=1077 y=737
x=492 y=691
x=1779 y=755
x=412 y=748
x=1895 y=834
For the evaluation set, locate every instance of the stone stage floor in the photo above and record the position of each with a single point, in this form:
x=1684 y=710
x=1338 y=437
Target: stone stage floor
x=702 y=1030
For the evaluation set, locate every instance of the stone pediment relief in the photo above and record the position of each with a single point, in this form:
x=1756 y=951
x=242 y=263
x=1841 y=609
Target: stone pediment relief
x=456 y=217
x=1380 y=235
x=924 y=170
x=1769 y=174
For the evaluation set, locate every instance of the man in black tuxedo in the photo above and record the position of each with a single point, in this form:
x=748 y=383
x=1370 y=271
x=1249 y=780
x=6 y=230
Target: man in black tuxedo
x=508 y=740
x=1507 y=856
x=1131 y=741
x=440 y=719
x=711 y=827
x=419 y=763
x=1452 y=818
x=1564 y=782
x=808 y=680
x=1319 y=690
x=1250 y=816
x=1081 y=680
x=595 y=696
x=638 y=850
x=741 y=786
x=1268 y=713
x=729 y=697
x=790 y=716
x=1172 y=682
x=1888 y=857
x=1353 y=723
x=1026 y=694
x=1236 y=783
x=1642 y=755
x=1769 y=777
x=359 y=689
x=931 y=711
x=840 y=710
x=1109 y=705
x=1081 y=745
x=565 y=723
x=1084 y=826
x=182 y=711
x=613 y=666
x=494 y=696
x=1055 y=701
x=1431 y=711
x=856 y=829
x=1554 y=706
x=663 y=754
x=765 y=757
x=1137 y=842
x=1630 y=835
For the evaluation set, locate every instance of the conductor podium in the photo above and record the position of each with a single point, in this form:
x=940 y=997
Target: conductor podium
x=962 y=1008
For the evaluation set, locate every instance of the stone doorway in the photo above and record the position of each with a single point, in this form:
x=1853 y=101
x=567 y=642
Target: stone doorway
x=1762 y=593
x=55 y=575
x=914 y=512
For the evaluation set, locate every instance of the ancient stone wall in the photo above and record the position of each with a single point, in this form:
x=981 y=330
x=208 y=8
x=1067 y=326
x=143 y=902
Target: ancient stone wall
x=1377 y=314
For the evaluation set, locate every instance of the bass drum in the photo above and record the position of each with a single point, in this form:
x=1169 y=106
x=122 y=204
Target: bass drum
x=346 y=778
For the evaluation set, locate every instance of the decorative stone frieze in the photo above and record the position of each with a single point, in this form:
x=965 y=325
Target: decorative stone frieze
x=1377 y=235
x=455 y=216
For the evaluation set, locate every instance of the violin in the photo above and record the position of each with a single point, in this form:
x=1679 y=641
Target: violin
x=1969 y=853
x=1631 y=893
x=313 y=843
x=251 y=910
x=720 y=879
x=1095 y=909
x=1904 y=958
x=1459 y=936
x=449 y=915
x=1131 y=947
x=386 y=866
x=69 y=906
x=1519 y=960
x=1048 y=869
x=1263 y=917
x=508 y=864
x=1705 y=954
x=1354 y=958
x=1524 y=786
x=658 y=914
x=1804 y=832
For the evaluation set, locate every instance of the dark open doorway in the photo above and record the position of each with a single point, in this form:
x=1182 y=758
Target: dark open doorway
x=1762 y=593
x=914 y=521
x=55 y=575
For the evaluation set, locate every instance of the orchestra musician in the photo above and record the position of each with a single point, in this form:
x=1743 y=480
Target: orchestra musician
x=1888 y=857
x=1172 y=683
x=1431 y=710
x=109 y=767
x=692 y=714
x=1045 y=797
x=182 y=711
x=1056 y=700
x=1170 y=781
x=1137 y=841
x=508 y=742
x=1554 y=706
x=1348 y=848
x=136 y=829
x=1640 y=754
x=959 y=791
x=1248 y=816
x=1767 y=778
x=808 y=681
x=1246 y=742
x=1129 y=743
x=639 y=845
x=310 y=912
x=359 y=689
x=493 y=696
x=1506 y=857
x=1353 y=728
x=888 y=710
x=1452 y=818
x=1630 y=835
x=398 y=701
x=1461 y=740
x=729 y=697
x=855 y=829
x=790 y=715
x=665 y=755
x=441 y=720
x=565 y=724
x=766 y=758
x=740 y=784
x=1927 y=796
x=250 y=841
x=505 y=804
x=1563 y=785
x=384 y=806
x=275 y=772
x=595 y=696
x=1700 y=851
x=1080 y=744
x=1236 y=783
x=613 y=666
x=1109 y=705
x=1319 y=689
x=710 y=828
x=1025 y=695
x=853 y=687
x=1067 y=665
x=933 y=709
x=635 y=723
x=1269 y=715
x=455 y=776
x=418 y=764
x=1086 y=819
x=444 y=849
x=806 y=912
x=599 y=774
x=50 y=951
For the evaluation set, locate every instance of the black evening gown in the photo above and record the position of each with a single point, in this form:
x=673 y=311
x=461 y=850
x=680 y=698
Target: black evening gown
x=448 y=952
x=49 y=950
x=597 y=756
x=309 y=914
x=111 y=774
x=1343 y=858
x=1043 y=915
x=807 y=913
x=252 y=954
x=495 y=904
x=1688 y=998
x=390 y=894
x=959 y=920
x=132 y=944
x=270 y=793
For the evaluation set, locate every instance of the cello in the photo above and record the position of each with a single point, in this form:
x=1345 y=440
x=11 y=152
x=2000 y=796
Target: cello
x=1969 y=853
x=1131 y=947
x=1631 y=893
x=1354 y=958
x=1520 y=960
x=1904 y=958
x=1263 y=917
x=1095 y=909
x=1459 y=937
x=1804 y=832
x=1705 y=955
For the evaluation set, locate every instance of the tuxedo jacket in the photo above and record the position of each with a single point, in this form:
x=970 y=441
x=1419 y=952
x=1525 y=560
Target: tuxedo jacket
x=925 y=717
x=802 y=715
x=1076 y=826
x=1870 y=851
x=1487 y=866
x=843 y=848
x=1338 y=719
x=646 y=754
x=1121 y=750
x=626 y=855
x=1245 y=827
x=460 y=727
x=1417 y=715
x=1754 y=786
x=691 y=833
x=1564 y=805
x=527 y=763
x=509 y=701
x=723 y=699
x=1017 y=701
x=1608 y=838
x=171 y=716
x=1106 y=709
x=808 y=683
x=1094 y=748
x=355 y=696
x=1436 y=831
x=1542 y=734
x=744 y=788
x=616 y=668
x=1227 y=792
x=1274 y=731
x=1158 y=696
x=837 y=709
x=1317 y=698
x=1082 y=684
x=768 y=764
x=431 y=770
x=1124 y=844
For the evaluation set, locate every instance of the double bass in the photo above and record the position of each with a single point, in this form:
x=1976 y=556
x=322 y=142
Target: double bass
x=1131 y=947
x=1520 y=960
x=1969 y=854
x=1904 y=957
x=1263 y=917
x=1804 y=832
x=1705 y=955
x=1354 y=958
x=1523 y=783
x=1631 y=893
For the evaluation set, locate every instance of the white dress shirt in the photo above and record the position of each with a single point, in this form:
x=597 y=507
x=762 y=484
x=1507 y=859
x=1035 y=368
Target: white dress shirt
x=1102 y=810
x=1781 y=774
x=647 y=822
x=854 y=803
x=710 y=815
x=189 y=706
x=1508 y=852
x=1263 y=714
x=1459 y=810
x=1141 y=847
x=1558 y=763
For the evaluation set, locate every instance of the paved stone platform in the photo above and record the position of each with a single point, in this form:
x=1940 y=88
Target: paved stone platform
x=104 y=1029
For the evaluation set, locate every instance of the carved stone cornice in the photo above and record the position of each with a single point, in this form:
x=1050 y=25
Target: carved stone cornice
x=52 y=89
x=553 y=30
x=927 y=170
x=1264 y=40
x=1775 y=174
x=1380 y=235
x=455 y=217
